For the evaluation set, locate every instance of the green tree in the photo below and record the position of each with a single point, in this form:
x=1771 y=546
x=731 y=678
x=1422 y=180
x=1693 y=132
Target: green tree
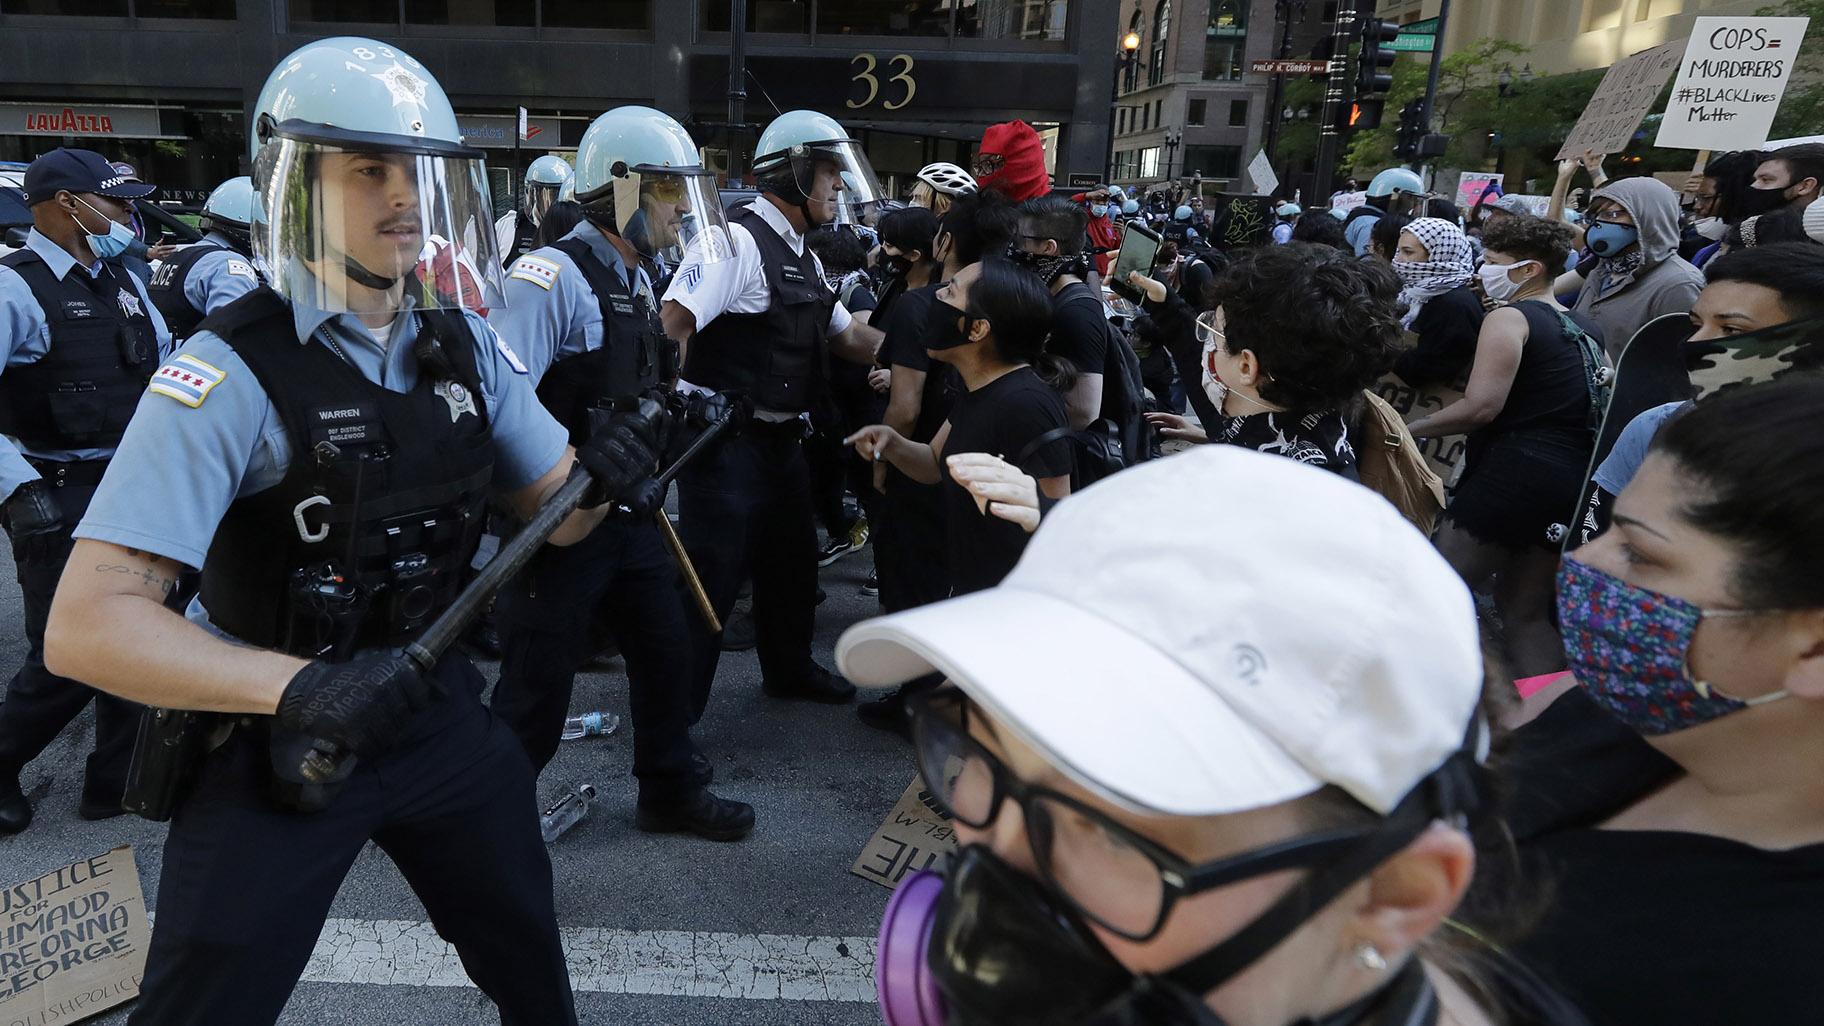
x=1802 y=108
x=1467 y=90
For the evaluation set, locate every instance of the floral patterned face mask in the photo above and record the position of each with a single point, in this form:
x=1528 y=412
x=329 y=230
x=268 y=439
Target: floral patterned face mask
x=1630 y=649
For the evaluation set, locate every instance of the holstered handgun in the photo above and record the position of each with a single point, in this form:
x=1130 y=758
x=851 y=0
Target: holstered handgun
x=168 y=753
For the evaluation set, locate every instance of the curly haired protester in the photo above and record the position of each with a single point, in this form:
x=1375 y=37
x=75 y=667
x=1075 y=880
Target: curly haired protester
x=1674 y=797
x=1296 y=332
x=1200 y=811
x=1531 y=407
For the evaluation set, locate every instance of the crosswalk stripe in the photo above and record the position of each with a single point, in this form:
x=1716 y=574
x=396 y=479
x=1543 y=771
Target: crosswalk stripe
x=753 y=967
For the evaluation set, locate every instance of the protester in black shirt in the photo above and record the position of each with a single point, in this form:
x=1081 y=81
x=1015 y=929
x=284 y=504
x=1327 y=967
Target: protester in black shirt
x=990 y=323
x=1530 y=408
x=1440 y=307
x=1671 y=803
x=1050 y=243
x=906 y=259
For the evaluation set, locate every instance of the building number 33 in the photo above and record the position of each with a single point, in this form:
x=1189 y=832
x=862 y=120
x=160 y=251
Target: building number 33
x=902 y=76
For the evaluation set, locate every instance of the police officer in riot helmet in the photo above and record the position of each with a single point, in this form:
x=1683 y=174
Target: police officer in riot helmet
x=583 y=315
x=323 y=449
x=79 y=338
x=764 y=323
x=546 y=182
x=202 y=278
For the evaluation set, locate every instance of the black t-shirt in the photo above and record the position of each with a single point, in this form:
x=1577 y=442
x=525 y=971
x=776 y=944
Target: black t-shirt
x=1447 y=327
x=906 y=331
x=1080 y=333
x=1654 y=926
x=1002 y=417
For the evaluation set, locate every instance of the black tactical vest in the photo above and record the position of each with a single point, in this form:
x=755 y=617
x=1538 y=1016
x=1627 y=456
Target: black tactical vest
x=777 y=357
x=83 y=392
x=368 y=536
x=167 y=289
x=525 y=239
x=635 y=353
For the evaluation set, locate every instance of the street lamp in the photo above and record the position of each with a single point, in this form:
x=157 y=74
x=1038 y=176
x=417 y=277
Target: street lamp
x=1130 y=46
x=1172 y=138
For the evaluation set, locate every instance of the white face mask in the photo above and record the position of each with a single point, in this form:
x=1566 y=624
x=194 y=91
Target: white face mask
x=1497 y=284
x=1712 y=228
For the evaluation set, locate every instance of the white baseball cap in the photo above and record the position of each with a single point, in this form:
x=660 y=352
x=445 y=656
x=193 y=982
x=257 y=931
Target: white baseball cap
x=1212 y=632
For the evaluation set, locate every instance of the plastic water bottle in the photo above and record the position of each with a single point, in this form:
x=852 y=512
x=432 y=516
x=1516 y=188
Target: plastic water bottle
x=594 y=724
x=566 y=812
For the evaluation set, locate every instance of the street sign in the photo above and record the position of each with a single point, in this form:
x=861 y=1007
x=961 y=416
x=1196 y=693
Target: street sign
x=524 y=135
x=1289 y=67
x=1408 y=43
x=1428 y=27
x=1082 y=180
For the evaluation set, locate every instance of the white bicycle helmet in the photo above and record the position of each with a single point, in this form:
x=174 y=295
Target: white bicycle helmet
x=947 y=178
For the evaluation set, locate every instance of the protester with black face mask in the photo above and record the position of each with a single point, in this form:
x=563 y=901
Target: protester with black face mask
x=1674 y=793
x=1200 y=811
x=906 y=259
x=989 y=322
x=1788 y=177
x=1050 y=244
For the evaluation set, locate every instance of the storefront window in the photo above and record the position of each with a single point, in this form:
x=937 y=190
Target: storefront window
x=883 y=18
x=633 y=15
x=468 y=12
x=373 y=12
x=1224 y=40
x=1012 y=19
x=786 y=16
x=222 y=9
x=74 y=8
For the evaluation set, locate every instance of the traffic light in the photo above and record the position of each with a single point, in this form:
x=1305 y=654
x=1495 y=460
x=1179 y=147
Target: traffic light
x=1414 y=124
x=1366 y=113
x=1374 y=73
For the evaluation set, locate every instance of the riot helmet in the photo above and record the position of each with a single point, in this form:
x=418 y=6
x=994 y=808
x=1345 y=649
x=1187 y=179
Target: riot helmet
x=364 y=182
x=640 y=175
x=229 y=211
x=808 y=160
x=545 y=181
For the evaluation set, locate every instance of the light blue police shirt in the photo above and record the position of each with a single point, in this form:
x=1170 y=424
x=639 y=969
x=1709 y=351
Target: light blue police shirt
x=551 y=312
x=184 y=460
x=219 y=277
x=25 y=337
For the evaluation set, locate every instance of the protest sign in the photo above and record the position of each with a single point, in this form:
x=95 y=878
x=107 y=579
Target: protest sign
x=912 y=837
x=1443 y=454
x=1348 y=200
x=1260 y=172
x=1730 y=82
x=1628 y=92
x=73 y=941
x=1473 y=185
x=1244 y=221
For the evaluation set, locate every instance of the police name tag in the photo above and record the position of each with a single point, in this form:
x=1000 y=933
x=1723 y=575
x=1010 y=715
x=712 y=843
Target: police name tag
x=348 y=424
x=792 y=274
x=73 y=308
x=625 y=309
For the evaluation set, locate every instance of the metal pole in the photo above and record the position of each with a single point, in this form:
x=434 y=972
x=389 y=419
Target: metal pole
x=1283 y=9
x=1336 y=96
x=737 y=84
x=1437 y=63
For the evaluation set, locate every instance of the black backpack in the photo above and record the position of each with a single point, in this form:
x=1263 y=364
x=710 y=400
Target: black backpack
x=1112 y=443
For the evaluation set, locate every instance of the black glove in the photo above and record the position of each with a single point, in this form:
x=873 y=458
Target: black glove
x=621 y=452
x=31 y=511
x=359 y=705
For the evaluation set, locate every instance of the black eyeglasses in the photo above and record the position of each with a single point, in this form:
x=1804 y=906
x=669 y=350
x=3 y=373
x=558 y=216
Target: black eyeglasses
x=1123 y=881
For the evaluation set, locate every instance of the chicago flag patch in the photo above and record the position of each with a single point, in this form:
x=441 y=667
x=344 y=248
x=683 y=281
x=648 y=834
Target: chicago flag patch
x=186 y=379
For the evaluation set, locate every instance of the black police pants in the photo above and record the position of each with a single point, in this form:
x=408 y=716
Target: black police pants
x=246 y=886
x=622 y=572
x=744 y=509
x=39 y=704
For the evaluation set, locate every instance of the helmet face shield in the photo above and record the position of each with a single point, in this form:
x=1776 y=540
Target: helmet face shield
x=833 y=175
x=337 y=220
x=539 y=198
x=661 y=212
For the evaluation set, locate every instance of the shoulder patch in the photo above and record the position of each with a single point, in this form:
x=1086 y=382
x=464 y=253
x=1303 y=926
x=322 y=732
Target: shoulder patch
x=537 y=270
x=242 y=269
x=186 y=379
x=512 y=358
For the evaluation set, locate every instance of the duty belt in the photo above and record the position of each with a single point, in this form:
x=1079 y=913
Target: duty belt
x=69 y=473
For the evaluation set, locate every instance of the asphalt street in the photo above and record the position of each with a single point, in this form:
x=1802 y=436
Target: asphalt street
x=662 y=929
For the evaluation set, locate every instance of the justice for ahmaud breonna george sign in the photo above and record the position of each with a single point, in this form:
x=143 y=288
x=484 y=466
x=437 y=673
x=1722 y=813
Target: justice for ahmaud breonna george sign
x=1730 y=83
x=73 y=941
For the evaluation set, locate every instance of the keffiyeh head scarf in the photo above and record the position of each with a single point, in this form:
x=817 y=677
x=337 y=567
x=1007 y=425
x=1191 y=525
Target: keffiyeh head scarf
x=1451 y=264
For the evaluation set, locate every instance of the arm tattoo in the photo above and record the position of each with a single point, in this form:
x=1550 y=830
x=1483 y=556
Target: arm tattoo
x=165 y=585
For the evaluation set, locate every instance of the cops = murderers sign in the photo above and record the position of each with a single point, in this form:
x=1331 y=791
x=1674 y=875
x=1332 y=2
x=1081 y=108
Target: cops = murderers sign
x=73 y=941
x=1733 y=73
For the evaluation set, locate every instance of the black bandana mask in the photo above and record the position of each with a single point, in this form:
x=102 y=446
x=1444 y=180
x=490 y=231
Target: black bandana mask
x=1050 y=268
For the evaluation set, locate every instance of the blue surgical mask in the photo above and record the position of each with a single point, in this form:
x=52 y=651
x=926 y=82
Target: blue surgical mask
x=1098 y=210
x=106 y=247
x=1607 y=239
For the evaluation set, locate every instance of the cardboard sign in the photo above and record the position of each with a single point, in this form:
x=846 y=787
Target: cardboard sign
x=1260 y=172
x=1473 y=184
x=1445 y=454
x=912 y=837
x=1348 y=200
x=1246 y=221
x=72 y=942
x=1627 y=93
x=1730 y=82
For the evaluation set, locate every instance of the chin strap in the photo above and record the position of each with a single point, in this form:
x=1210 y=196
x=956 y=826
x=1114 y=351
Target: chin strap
x=360 y=275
